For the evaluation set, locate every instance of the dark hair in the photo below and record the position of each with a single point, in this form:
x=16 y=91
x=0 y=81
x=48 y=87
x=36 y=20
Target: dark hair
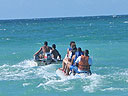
x=46 y=43
x=74 y=49
x=72 y=42
x=53 y=46
x=86 y=52
x=79 y=49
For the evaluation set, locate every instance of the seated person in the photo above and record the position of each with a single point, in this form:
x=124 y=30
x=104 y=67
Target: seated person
x=71 y=65
x=69 y=55
x=55 y=54
x=82 y=64
x=44 y=49
x=72 y=43
x=77 y=54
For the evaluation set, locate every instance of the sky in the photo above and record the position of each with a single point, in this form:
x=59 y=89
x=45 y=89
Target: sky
x=24 y=9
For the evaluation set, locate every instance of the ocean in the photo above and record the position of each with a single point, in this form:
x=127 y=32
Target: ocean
x=106 y=37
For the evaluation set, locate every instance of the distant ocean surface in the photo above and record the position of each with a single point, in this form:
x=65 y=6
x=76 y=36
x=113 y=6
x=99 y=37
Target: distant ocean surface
x=106 y=37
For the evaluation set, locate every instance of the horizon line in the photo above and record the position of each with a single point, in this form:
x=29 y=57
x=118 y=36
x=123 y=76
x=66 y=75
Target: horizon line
x=36 y=18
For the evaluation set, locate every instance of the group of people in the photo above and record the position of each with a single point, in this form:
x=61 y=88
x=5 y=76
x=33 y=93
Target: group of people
x=76 y=61
x=45 y=50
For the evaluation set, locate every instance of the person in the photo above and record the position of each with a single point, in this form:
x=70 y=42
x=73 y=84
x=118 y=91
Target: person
x=72 y=43
x=77 y=54
x=68 y=56
x=55 y=54
x=71 y=65
x=44 y=49
x=82 y=64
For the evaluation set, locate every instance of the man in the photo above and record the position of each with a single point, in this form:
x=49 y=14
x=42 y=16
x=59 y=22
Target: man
x=44 y=49
x=55 y=54
x=71 y=65
x=68 y=56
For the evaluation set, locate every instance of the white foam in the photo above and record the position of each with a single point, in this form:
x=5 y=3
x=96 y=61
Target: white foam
x=13 y=53
x=95 y=83
x=110 y=22
x=60 y=85
x=89 y=83
x=121 y=75
x=3 y=29
x=26 y=84
x=69 y=35
x=114 y=89
x=7 y=38
x=125 y=21
x=38 y=43
x=20 y=71
x=83 y=36
x=27 y=69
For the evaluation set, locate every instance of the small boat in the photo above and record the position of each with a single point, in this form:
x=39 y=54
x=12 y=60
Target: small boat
x=46 y=61
x=42 y=62
x=62 y=75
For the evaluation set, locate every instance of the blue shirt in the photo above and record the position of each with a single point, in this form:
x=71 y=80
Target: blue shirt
x=77 y=54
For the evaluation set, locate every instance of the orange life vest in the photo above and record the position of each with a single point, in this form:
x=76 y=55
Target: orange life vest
x=83 y=64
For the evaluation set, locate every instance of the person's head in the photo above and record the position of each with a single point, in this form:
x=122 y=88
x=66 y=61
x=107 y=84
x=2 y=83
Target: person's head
x=72 y=43
x=45 y=43
x=74 y=49
x=54 y=46
x=86 y=52
x=79 y=49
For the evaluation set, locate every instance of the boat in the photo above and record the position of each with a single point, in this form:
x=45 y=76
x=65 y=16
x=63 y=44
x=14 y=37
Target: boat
x=46 y=61
x=62 y=75
x=42 y=62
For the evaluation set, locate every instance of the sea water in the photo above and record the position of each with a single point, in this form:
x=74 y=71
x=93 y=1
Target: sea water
x=106 y=37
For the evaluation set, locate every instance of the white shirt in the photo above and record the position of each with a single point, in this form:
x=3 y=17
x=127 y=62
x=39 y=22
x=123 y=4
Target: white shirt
x=79 y=59
x=70 y=54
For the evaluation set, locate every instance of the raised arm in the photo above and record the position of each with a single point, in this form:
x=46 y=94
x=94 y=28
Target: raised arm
x=38 y=51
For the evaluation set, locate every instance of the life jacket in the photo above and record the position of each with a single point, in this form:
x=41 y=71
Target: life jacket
x=83 y=64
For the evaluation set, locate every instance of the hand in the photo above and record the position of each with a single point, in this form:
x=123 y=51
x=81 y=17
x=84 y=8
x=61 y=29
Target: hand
x=34 y=54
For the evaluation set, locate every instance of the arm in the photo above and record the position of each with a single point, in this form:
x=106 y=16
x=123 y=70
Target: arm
x=59 y=55
x=70 y=56
x=38 y=52
x=90 y=61
x=77 y=60
x=67 y=51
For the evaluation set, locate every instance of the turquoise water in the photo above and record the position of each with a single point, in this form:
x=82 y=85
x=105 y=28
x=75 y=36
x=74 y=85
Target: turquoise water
x=105 y=36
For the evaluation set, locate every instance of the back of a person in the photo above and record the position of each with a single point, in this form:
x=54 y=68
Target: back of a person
x=55 y=53
x=46 y=49
x=83 y=64
x=77 y=54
